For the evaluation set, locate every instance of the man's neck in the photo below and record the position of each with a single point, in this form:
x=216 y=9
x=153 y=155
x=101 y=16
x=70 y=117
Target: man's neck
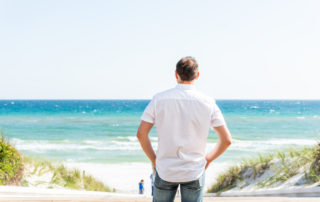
x=186 y=82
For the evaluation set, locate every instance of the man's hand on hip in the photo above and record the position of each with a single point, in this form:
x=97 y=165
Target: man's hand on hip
x=142 y=135
x=223 y=143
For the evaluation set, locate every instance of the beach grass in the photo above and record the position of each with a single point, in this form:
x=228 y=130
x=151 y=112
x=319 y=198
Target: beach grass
x=61 y=176
x=271 y=169
x=22 y=170
x=314 y=170
x=11 y=166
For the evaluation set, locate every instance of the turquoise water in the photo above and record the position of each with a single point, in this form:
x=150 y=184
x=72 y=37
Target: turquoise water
x=104 y=131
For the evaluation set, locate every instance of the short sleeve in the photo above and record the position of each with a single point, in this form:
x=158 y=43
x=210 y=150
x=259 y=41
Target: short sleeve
x=216 y=117
x=149 y=113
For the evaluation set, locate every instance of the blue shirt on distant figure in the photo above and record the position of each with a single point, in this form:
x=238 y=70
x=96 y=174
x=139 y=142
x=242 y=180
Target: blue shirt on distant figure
x=141 y=188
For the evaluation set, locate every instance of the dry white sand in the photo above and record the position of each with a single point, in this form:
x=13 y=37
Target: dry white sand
x=222 y=199
x=11 y=193
x=126 y=176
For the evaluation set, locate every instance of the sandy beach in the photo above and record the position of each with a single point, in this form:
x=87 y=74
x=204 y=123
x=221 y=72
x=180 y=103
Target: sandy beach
x=126 y=199
x=205 y=200
x=12 y=193
x=125 y=177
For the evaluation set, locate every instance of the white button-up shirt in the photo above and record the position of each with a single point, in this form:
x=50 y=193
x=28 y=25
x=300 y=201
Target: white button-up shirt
x=182 y=117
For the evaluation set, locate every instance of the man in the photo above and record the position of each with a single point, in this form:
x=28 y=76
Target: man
x=182 y=116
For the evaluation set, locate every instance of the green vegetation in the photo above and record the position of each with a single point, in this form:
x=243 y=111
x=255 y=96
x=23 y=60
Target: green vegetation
x=21 y=170
x=10 y=163
x=314 y=170
x=73 y=179
x=60 y=176
x=271 y=169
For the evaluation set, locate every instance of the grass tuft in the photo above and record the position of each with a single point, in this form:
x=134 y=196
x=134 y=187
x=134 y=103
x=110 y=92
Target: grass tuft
x=314 y=171
x=283 y=165
x=11 y=168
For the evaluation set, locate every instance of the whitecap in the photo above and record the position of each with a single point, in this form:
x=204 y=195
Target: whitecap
x=132 y=138
x=42 y=146
x=129 y=138
x=16 y=140
x=261 y=145
x=121 y=137
x=92 y=142
x=254 y=107
x=31 y=120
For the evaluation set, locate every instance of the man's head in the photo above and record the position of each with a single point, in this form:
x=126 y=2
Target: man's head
x=187 y=70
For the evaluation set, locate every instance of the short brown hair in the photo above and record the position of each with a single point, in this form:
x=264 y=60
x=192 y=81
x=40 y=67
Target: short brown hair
x=187 y=68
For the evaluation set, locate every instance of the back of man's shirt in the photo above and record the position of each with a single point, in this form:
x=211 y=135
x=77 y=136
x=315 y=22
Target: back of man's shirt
x=182 y=117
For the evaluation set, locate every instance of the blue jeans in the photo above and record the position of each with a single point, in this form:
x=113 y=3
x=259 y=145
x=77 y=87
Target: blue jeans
x=190 y=191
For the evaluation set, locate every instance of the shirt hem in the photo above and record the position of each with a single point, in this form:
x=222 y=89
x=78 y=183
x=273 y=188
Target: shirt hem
x=146 y=120
x=183 y=180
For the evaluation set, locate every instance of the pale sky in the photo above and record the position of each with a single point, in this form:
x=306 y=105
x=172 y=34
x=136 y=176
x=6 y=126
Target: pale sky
x=266 y=49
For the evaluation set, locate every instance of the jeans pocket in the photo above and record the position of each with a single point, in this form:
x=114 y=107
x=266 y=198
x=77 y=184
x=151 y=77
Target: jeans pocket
x=196 y=184
x=162 y=184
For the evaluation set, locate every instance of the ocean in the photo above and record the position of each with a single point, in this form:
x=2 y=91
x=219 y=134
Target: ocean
x=103 y=132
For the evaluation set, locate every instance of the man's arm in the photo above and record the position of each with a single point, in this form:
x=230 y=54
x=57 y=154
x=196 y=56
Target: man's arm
x=223 y=143
x=142 y=135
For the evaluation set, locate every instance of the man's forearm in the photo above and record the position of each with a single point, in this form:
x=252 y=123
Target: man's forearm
x=217 y=151
x=222 y=145
x=144 y=140
x=147 y=148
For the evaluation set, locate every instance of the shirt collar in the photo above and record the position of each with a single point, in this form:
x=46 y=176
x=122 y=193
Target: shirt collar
x=185 y=86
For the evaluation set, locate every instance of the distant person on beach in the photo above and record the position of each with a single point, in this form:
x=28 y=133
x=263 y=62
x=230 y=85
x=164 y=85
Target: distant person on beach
x=182 y=116
x=141 y=187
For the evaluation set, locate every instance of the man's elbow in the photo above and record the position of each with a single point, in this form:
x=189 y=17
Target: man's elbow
x=139 y=134
x=227 y=142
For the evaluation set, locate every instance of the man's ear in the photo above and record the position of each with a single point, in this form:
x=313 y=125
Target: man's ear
x=176 y=74
x=198 y=74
